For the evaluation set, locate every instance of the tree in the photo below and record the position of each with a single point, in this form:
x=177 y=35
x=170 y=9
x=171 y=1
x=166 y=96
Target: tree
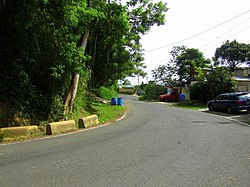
x=219 y=81
x=165 y=75
x=107 y=46
x=68 y=103
x=126 y=82
x=49 y=48
x=151 y=91
x=39 y=52
x=115 y=41
x=188 y=63
x=184 y=65
x=168 y=74
x=232 y=54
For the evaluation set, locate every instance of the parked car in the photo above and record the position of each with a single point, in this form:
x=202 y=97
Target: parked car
x=172 y=96
x=230 y=102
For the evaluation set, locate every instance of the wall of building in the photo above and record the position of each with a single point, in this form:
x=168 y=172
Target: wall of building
x=243 y=86
x=242 y=72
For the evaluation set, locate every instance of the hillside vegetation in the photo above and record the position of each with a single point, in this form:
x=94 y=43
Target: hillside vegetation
x=55 y=53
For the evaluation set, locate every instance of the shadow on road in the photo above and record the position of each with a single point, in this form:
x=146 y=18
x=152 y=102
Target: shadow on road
x=242 y=116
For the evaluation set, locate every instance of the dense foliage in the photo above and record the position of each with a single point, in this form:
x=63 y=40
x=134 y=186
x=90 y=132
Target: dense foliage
x=232 y=54
x=184 y=66
x=200 y=91
x=152 y=90
x=218 y=80
x=107 y=93
x=38 y=53
x=43 y=47
x=189 y=64
x=166 y=75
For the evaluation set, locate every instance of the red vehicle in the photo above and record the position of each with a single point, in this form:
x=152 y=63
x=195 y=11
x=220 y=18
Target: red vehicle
x=172 y=96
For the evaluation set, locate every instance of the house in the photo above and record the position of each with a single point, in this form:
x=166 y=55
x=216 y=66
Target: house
x=184 y=89
x=127 y=89
x=242 y=78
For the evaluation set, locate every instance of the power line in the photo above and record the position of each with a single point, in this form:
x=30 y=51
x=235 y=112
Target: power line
x=217 y=43
x=193 y=36
x=224 y=34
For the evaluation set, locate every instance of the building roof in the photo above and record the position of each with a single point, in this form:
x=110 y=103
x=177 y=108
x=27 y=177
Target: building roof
x=242 y=78
x=127 y=86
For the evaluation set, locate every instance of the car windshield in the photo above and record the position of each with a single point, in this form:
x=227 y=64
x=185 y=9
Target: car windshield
x=246 y=96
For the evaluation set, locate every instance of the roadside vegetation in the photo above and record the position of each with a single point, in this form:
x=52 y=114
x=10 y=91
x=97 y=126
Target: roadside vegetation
x=107 y=113
x=58 y=56
x=203 y=78
x=194 y=105
x=55 y=55
x=100 y=105
x=151 y=91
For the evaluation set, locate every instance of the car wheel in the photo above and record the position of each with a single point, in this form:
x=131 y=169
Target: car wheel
x=229 y=110
x=210 y=108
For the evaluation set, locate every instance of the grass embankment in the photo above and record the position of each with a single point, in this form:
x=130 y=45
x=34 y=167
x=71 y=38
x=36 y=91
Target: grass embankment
x=194 y=105
x=100 y=104
x=106 y=112
x=103 y=109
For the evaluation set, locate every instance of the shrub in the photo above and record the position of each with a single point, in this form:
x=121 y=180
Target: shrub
x=152 y=91
x=107 y=93
x=200 y=91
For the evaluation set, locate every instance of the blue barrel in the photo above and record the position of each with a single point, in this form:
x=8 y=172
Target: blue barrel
x=120 y=101
x=114 y=101
x=182 y=97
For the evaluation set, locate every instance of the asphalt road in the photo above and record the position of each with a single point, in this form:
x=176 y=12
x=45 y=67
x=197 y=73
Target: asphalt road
x=154 y=145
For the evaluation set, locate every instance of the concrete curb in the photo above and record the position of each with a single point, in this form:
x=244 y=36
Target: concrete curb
x=232 y=118
x=54 y=129
x=124 y=115
x=15 y=132
x=242 y=123
x=60 y=127
x=88 y=121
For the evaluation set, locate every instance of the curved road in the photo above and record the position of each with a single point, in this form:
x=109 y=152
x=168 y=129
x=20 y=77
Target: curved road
x=154 y=145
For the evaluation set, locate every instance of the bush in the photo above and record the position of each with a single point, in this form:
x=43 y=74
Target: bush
x=207 y=90
x=107 y=93
x=152 y=91
x=200 y=91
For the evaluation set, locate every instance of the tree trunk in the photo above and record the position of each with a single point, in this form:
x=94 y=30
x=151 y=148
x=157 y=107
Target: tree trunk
x=74 y=90
x=69 y=101
x=93 y=63
x=68 y=105
x=85 y=40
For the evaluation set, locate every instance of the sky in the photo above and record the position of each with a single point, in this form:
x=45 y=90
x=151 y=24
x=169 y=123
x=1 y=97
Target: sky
x=201 y=24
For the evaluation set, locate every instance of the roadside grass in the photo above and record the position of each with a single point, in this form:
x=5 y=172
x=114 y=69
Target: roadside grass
x=194 y=105
x=246 y=121
x=106 y=112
